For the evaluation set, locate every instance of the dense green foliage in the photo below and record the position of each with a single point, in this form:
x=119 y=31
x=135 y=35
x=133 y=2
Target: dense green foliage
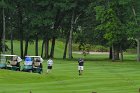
x=111 y=23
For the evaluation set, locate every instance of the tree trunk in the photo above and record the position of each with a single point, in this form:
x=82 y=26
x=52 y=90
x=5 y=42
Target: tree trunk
x=0 y=40
x=138 y=50
x=117 y=54
x=113 y=53
x=121 y=53
x=3 y=36
x=70 y=44
x=110 y=53
x=26 y=46
x=47 y=48
x=21 y=46
x=66 y=44
x=20 y=28
x=138 y=40
x=11 y=42
x=36 y=45
x=70 y=36
x=42 y=47
x=73 y=22
x=52 y=47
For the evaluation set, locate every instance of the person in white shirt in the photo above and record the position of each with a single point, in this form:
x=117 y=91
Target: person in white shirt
x=50 y=63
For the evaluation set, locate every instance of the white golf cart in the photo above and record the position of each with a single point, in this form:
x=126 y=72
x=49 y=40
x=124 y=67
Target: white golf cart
x=11 y=62
x=33 y=64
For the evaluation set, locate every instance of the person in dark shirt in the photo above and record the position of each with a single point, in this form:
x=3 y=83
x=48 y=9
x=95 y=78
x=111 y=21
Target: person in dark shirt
x=80 y=66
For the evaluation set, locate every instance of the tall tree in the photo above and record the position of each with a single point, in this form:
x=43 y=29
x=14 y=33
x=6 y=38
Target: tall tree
x=133 y=25
x=113 y=23
x=20 y=25
x=137 y=32
x=3 y=35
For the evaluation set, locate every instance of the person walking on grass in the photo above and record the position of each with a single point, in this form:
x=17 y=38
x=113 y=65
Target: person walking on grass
x=80 y=66
x=50 y=63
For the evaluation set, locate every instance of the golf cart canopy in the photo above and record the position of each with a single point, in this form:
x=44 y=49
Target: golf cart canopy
x=6 y=55
x=36 y=57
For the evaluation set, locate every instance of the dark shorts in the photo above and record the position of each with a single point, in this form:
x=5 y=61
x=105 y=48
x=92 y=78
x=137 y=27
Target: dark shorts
x=49 y=67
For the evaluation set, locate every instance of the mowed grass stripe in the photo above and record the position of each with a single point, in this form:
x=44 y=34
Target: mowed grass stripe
x=62 y=87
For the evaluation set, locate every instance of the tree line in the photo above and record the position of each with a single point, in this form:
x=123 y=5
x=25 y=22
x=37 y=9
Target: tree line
x=112 y=23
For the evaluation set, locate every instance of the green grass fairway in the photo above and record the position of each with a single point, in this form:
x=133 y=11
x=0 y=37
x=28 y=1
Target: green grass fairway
x=99 y=76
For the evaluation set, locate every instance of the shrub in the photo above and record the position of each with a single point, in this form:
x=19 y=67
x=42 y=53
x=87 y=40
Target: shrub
x=99 y=48
x=95 y=48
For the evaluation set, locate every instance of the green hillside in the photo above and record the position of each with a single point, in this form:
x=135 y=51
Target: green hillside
x=31 y=48
x=59 y=49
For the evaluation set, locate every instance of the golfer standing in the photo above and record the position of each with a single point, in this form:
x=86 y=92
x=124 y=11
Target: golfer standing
x=80 y=66
x=50 y=63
